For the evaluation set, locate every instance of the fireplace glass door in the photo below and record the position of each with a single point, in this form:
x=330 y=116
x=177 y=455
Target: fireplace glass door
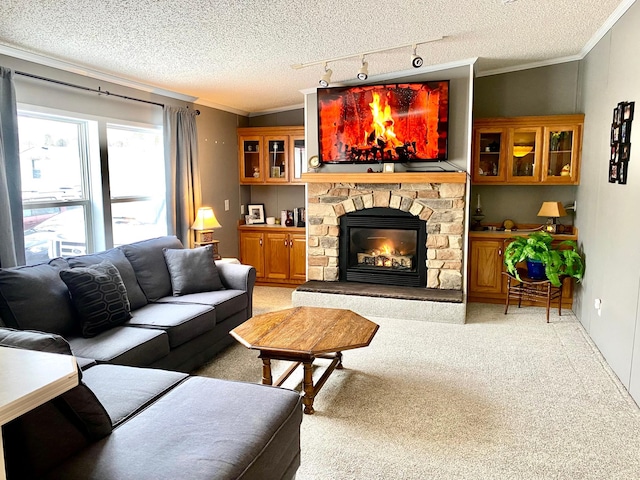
x=387 y=248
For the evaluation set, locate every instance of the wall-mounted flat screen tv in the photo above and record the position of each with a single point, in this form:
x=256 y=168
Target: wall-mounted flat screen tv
x=394 y=122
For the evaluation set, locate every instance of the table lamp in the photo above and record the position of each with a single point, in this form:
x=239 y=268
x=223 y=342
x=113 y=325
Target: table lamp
x=204 y=224
x=551 y=210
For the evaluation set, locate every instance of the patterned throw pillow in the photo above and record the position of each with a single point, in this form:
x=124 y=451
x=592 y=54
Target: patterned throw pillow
x=99 y=295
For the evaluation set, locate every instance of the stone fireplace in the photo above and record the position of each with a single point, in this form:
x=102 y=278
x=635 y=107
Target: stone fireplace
x=440 y=205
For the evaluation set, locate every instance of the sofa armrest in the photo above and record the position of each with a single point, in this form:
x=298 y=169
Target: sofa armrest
x=239 y=277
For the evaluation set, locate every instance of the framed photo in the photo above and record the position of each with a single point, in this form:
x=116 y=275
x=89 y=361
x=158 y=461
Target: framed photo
x=617 y=114
x=625 y=150
x=622 y=172
x=615 y=134
x=627 y=112
x=613 y=172
x=625 y=131
x=614 y=153
x=256 y=213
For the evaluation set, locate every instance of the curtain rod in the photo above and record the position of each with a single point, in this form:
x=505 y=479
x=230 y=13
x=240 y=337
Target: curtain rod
x=99 y=91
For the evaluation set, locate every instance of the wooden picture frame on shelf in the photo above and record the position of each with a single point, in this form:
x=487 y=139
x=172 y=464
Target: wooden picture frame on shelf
x=256 y=213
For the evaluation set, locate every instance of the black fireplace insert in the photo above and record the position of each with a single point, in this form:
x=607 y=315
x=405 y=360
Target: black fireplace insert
x=385 y=246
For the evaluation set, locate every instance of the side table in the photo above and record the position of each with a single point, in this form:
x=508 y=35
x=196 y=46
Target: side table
x=529 y=289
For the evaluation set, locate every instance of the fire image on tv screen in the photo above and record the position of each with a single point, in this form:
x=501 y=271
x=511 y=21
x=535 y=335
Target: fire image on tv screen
x=400 y=122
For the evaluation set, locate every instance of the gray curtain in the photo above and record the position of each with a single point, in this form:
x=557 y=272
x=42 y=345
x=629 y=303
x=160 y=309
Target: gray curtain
x=11 y=229
x=181 y=163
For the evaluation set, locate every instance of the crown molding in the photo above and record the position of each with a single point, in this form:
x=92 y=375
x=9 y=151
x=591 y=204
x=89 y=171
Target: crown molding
x=91 y=73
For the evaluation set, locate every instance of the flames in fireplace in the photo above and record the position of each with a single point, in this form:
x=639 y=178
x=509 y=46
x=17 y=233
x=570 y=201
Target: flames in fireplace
x=394 y=250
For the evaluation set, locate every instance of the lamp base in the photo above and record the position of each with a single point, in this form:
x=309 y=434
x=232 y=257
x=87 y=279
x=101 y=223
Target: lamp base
x=214 y=245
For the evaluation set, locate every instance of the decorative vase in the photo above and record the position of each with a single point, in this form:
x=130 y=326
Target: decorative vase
x=535 y=269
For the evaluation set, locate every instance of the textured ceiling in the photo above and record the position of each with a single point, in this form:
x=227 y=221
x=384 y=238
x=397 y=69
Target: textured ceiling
x=238 y=53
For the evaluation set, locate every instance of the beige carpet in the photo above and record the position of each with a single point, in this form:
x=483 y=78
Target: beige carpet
x=504 y=397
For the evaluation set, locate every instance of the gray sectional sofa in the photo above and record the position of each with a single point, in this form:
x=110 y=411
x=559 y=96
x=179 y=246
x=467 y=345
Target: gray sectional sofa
x=164 y=307
x=164 y=331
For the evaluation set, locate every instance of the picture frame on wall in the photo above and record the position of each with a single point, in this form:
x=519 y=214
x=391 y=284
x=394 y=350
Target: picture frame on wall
x=625 y=151
x=622 y=172
x=617 y=115
x=625 y=132
x=256 y=213
x=613 y=172
x=627 y=112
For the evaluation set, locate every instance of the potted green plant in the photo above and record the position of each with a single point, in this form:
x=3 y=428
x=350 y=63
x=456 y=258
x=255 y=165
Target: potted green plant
x=543 y=259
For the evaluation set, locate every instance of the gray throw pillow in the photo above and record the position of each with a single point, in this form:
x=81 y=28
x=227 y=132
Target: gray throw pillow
x=192 y=270
x=35 y=298
x=99 y=295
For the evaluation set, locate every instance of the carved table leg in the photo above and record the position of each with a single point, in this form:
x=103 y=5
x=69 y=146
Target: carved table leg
x=309 y=391
x=266 y=371
x=339 y=357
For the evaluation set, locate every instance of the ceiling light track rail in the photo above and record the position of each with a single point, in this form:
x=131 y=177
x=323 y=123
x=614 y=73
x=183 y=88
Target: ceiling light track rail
x=99 y=91
x=298 y=66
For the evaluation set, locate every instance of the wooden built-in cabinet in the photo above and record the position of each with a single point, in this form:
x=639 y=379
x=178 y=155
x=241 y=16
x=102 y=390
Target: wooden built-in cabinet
x=527 y=150
x=277 y=253
x=486 y=263
x=270 y=155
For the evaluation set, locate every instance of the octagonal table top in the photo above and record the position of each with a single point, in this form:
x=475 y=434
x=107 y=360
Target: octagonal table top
x=307 y=330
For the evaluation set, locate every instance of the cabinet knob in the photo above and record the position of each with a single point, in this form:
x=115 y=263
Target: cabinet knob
x=260 y=242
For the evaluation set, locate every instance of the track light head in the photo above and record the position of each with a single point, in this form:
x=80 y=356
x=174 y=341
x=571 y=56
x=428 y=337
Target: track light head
x=325 y=80
x=363 y=73
x=416 y=60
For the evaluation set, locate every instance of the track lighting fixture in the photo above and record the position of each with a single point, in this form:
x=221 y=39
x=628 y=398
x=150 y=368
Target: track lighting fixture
x=326 y=77
x=416 y=60
x=363 y=73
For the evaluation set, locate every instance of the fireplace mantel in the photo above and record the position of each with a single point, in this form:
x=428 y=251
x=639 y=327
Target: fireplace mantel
x=396 y=177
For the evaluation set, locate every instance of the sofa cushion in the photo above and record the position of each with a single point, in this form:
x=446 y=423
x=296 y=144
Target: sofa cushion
x=232 y=430
x=99 y=295
x=36 y=298
x=192 y=270
x=182 y=322
x=29 y=340
x=123 y=345
x=147 y=260
x=226 y=302
x=117 y=257
x=124 y=391
x=79 y=403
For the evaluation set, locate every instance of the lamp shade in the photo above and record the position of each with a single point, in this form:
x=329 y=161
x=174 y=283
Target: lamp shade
x=552 y=210
x=205 y=220
x=522 y=150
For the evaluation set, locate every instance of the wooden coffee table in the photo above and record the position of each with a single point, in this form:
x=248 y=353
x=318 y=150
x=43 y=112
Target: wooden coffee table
x=301 y=335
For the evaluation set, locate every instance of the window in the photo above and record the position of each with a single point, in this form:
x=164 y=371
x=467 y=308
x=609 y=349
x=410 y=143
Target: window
x=65 y=209
x=137 y=179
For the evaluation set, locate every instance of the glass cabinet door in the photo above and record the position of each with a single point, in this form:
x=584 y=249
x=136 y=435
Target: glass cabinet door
x=250 y=160
x=298 y=159
x=524 y=153
x=560 y=154
x=489 y=155
x=275 y=156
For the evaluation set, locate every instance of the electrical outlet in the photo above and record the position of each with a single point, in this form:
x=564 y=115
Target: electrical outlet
x=226 y=205
x=597 y=303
